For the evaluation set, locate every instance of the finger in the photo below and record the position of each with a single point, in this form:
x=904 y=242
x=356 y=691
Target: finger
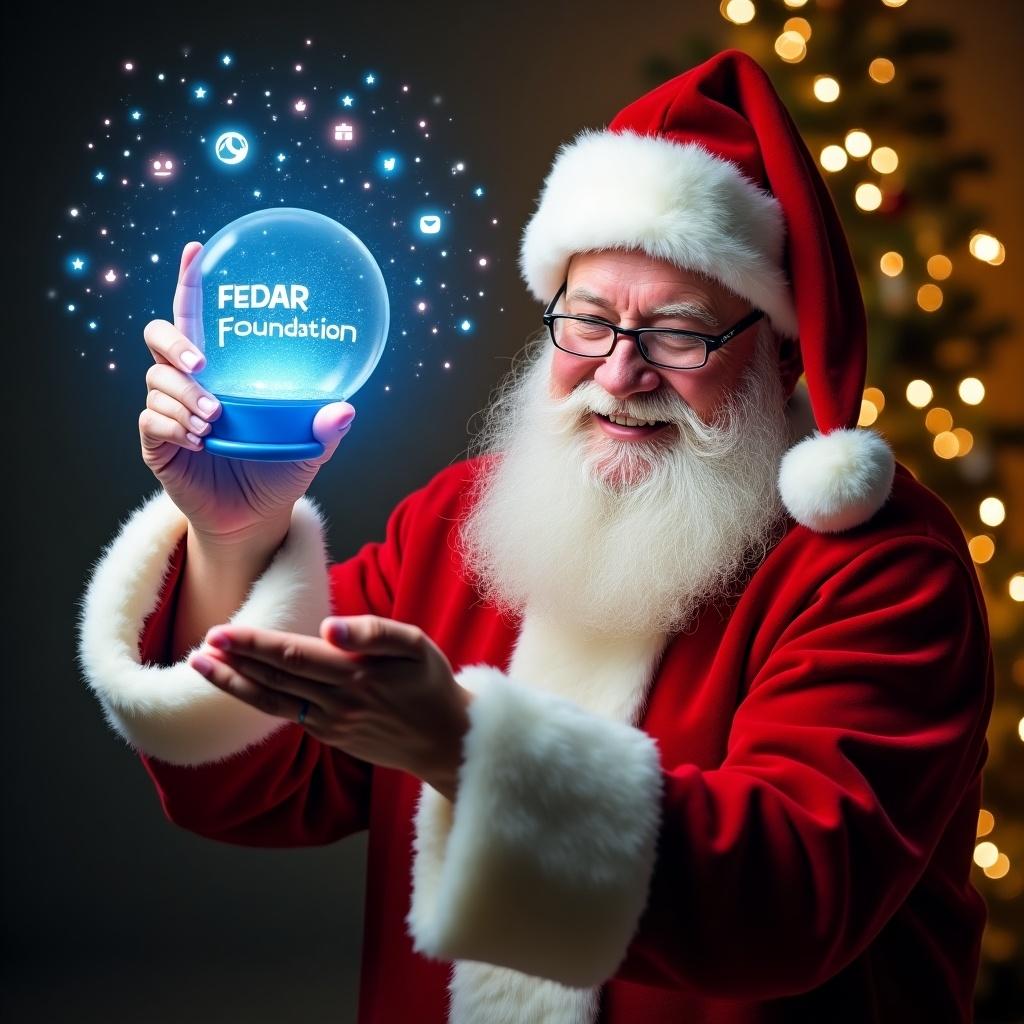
x=263 y=698
x=174 y=410
x=307 y=657
x=168 y=345
x=188 y=296
x=183 y=389
x=374 y=634
x=155 y=430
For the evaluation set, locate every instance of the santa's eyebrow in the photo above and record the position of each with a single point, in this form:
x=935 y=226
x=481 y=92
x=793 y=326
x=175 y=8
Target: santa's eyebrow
x=690 y=309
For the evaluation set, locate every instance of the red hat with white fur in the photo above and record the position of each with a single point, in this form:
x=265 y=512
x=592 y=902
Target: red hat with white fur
x=708 y=172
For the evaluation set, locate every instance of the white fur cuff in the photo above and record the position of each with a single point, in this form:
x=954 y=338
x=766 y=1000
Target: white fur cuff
x=173 y=713
x=543 y=863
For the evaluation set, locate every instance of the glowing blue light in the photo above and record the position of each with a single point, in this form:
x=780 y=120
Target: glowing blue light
x=430 y=223
x=99 y=175
x=389 y=163
x=136 y=115
x=478 y=191
x=154 y=258
x=76 y=264
x=466 y=326
x=200 y=92
x=346 y=100
x=71 y=307
x=292 y=312
x=231 y=147
x=369 y=79
x=93 y=325
x=226 y=59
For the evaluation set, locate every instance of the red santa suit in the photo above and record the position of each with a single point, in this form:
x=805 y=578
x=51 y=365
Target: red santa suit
x=769 y=818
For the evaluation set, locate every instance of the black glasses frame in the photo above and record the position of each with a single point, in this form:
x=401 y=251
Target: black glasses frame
x=712 y=342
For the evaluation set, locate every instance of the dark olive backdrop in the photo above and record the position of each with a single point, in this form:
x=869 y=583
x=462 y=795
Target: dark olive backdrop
x=110 y=912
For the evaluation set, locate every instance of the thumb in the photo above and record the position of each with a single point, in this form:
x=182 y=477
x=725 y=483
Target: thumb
x=331 y=424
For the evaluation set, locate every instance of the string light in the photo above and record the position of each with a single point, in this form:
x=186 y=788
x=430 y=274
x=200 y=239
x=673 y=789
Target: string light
x=1017 y=586
x=857 y=142
x=987 y=248
x=884 y=160
x=940 y=267
x=868 y=413
x=919 y=393
x=891 y=264
x=826 y=89
x=833 y=158
x=868 y=196
x=791 y=47
x=929 y=297
x=992 y=511
x=971 y=390
x=801 y=26
x=982 y=548
x=986 y=822
x=938 y=419
x=739 y=12
x=945 y=445
x=986 y=854
x=875 y=397
x=965 y=440
x=882 y=70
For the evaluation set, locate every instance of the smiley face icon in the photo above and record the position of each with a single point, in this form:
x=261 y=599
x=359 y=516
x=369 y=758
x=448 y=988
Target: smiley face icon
x=161 y=168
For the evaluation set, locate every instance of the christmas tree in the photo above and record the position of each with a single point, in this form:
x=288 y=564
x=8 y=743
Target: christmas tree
x=868 y=92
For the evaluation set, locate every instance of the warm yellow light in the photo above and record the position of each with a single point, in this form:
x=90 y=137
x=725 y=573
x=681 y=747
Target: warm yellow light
x=833 y=158
x=894 y=3
x=882 y=70
x=982 y=548
x=945 y=445
x=965 y=439
x=985 y=247
x=884 y=160
x=801 y=26
x=868 y=413
x=1020 y=729
x=992 y=511
x=929 y=297
x=857 y=142
x=940 y=267
x=999 y=256
x=826 y=89
x=868 y=196
x=739 y=12
x=1000 y=868
x=986 y=854
x=938 y=419
x=795 y=3
x=875 y=397
x=919 y=393
x=1017 y=586
x=791 y=47
x=971 y=390
x=891 y=264
x=986 y=822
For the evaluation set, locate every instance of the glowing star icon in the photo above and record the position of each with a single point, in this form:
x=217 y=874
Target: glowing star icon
x=430 y=224
x=110 y=276
x=343 y=132
x=161 y=167
x=200 y=93
x=300 y=106
x=389 y=163
x=347 y=101
x=231 y=148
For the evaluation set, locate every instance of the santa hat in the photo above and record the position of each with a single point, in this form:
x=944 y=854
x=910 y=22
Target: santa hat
x=708 y=172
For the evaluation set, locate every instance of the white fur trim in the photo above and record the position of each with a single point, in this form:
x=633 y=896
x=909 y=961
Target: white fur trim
x=543 y=864
x=833 y=482
x=674 y=201
x=172 y=712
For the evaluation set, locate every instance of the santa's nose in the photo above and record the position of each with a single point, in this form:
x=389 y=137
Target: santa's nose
x=624 y=372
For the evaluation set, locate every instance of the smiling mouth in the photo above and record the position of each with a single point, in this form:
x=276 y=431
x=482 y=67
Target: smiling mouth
x=627 y=430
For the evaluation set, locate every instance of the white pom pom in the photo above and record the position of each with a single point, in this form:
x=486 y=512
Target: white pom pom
x=833 y=482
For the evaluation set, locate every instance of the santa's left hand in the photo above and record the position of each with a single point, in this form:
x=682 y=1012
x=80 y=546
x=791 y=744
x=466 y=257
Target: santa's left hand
x=384 y=693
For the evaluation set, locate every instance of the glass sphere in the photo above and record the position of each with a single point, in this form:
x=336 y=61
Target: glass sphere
x=291 y=312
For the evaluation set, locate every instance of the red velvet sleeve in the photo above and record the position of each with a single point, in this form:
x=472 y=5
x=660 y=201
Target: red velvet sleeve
x=290 y=790
x=857 y=739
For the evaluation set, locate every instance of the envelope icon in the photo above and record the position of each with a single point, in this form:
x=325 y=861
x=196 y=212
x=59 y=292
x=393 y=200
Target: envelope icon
x=430 y=224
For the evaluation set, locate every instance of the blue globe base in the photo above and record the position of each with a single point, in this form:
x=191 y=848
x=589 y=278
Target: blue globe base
x=272 y=430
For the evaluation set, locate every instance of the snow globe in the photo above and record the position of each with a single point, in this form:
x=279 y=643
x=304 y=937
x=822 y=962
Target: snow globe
x=291 y=312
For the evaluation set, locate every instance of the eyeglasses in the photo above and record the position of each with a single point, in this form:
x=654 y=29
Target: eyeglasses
x=594 y=338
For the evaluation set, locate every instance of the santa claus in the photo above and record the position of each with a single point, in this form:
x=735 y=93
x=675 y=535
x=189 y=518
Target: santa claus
x=669 y=703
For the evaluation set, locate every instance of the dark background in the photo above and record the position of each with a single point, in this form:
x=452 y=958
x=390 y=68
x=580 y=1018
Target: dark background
x=110 y=912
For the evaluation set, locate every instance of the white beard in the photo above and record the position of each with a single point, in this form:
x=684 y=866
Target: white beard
x=624 y=538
